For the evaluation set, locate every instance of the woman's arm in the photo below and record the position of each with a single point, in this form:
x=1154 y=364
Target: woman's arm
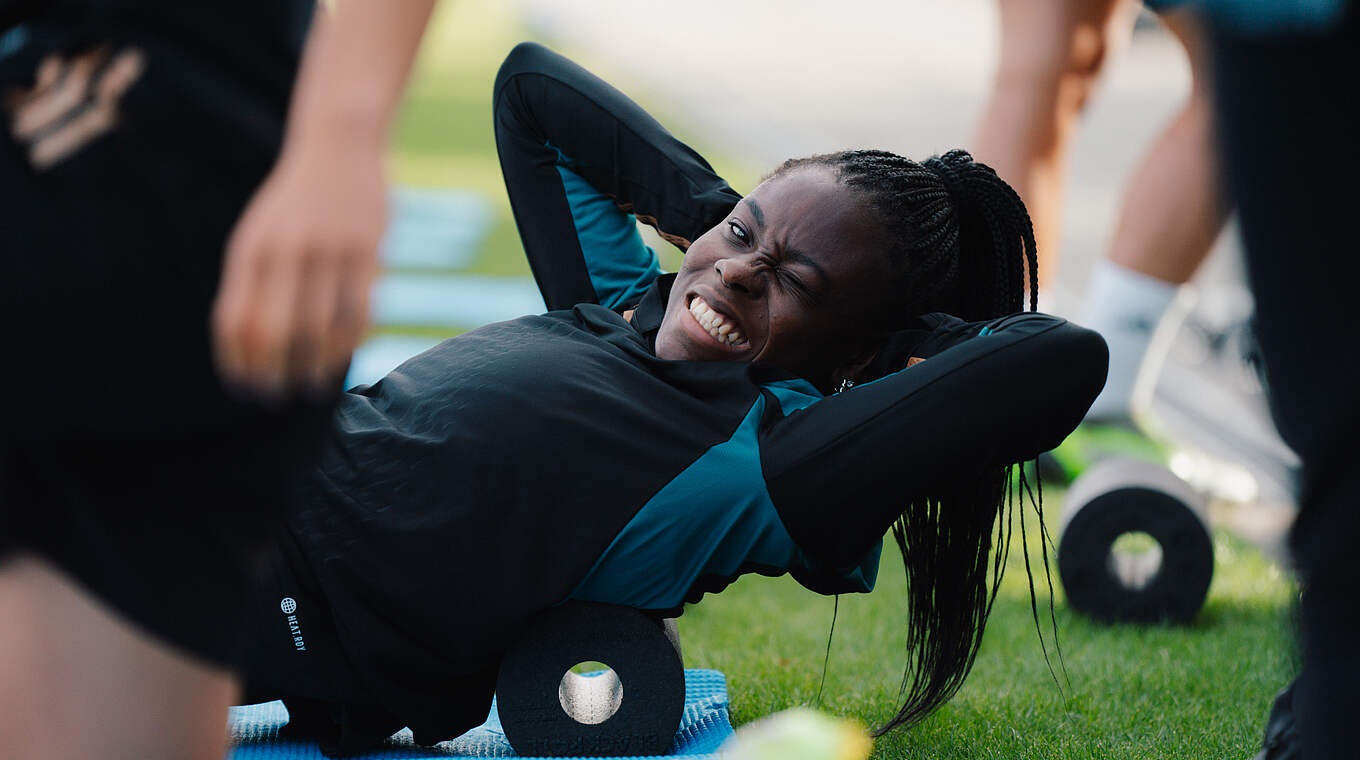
x=579 y=159
x=293 y=301
x=840 y=470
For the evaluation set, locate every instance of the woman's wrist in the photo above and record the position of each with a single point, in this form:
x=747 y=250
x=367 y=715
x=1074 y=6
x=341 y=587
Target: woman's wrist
x=353 y=72
x=348 y=121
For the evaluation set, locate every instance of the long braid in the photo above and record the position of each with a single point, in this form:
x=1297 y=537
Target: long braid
x=962 y=243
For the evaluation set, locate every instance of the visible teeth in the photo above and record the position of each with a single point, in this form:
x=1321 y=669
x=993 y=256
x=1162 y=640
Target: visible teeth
x=716 y=324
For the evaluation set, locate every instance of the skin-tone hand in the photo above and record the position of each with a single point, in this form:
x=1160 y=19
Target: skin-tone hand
x=295 y=287
x=294 y=296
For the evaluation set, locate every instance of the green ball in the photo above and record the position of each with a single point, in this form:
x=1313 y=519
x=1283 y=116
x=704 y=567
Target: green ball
x=799 y=733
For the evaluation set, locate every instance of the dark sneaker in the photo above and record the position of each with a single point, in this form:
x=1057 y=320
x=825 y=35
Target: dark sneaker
x=1281 y=741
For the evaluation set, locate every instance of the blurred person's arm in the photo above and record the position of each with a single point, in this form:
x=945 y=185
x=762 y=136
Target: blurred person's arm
x=293 y=301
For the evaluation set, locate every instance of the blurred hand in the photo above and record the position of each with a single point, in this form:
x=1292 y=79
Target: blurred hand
x=293 y=301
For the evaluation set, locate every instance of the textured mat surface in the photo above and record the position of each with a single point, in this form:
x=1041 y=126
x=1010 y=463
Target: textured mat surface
x=435 y=229
x=382 y=353
x=704 y=726
x=462 y=300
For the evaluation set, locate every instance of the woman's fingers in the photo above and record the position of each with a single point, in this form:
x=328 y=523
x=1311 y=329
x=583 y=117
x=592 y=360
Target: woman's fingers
x=232 y=310
x=290 y=313
x=276 y=334
x=293 y=302
x=314 y=312
x=350 y=317
x=331 y=315
x=254 y=312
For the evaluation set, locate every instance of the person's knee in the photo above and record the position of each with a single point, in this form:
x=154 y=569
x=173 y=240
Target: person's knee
x=1087 y=52
x=1068 y=62
x=1088 y=49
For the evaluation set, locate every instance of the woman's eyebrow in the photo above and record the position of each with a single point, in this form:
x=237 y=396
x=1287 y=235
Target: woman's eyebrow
x=756 y=212
x=798 y=257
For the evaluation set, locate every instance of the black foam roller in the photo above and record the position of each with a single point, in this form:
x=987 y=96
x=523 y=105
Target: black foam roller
x=636 y=710
x=1123 y=495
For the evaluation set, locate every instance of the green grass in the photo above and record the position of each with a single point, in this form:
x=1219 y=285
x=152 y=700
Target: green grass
x=1135 y=692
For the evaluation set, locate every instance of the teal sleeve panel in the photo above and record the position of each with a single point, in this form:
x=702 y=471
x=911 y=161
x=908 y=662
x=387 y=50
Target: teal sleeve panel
x=715 y=519
x=621 y=267
x=794 y=395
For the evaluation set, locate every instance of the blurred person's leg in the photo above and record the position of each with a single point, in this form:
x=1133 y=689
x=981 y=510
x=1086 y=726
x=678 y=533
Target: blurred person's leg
x=1291 y=156
x=1052 y=53
x=1172 y=212
x=80 y=682
x=1173 y=208
x=125 y=567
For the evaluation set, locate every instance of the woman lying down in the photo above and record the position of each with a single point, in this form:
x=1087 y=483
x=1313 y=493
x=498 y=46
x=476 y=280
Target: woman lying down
x=839 y=354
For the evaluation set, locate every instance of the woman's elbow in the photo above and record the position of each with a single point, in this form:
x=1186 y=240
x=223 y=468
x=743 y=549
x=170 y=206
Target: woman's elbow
x=1077 y=368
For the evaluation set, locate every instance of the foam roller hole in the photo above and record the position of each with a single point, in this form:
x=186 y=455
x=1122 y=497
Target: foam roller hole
x=590 y=692
x=1135 y=559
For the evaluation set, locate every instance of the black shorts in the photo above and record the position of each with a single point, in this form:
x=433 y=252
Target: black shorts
x=122 y=457
x=174 y=534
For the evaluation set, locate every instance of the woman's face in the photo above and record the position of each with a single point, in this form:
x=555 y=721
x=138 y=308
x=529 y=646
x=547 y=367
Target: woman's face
x=788 y=278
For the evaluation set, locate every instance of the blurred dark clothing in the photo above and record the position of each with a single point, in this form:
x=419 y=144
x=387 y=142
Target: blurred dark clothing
x=256 y=44
x=1272 y=18
x=113 y=252
x=1282 y=737
x=1290 y=149
x=131 y=137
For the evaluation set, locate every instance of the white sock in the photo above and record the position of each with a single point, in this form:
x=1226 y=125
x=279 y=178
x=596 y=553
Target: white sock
x=1124 y=306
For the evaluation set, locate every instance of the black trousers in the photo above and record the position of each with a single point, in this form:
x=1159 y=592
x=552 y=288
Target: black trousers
x=1291 y=148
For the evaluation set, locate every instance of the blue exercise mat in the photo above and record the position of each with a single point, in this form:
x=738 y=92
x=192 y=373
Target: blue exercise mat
x=459 y=300
x=434 y=229
x=705 y=725
x=382 y=353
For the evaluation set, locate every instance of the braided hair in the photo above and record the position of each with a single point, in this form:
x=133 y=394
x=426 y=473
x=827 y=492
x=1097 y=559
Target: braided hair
x=962 y=239
x=961 y=242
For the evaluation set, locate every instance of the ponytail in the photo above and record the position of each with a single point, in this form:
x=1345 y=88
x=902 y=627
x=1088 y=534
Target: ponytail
x=996 y=239
x=961 y=243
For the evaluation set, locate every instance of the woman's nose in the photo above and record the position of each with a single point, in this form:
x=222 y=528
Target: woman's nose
x=740 y=274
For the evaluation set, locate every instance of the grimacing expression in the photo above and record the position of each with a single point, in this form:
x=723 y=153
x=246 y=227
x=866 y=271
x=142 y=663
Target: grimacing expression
x=790 y=277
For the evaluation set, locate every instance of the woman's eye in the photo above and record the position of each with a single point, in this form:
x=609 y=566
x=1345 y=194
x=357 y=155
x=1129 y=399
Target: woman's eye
x=797 y=286
x=737 y=231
